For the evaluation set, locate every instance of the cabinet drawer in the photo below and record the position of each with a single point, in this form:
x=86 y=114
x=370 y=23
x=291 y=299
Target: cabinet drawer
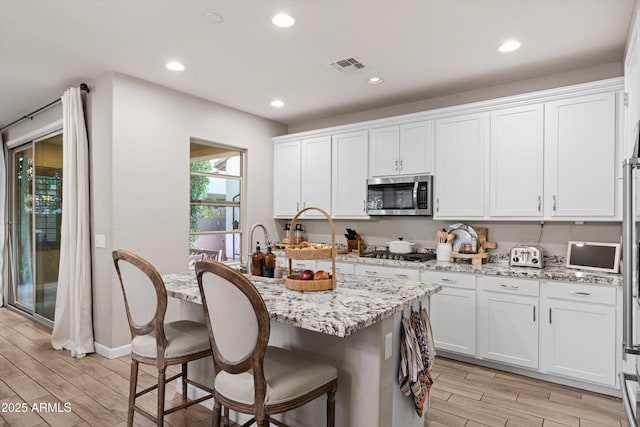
x=383 y=271
x=454 y=280
x=580 y=292
x=301 y=264
x=341 y=267
x=509 y=285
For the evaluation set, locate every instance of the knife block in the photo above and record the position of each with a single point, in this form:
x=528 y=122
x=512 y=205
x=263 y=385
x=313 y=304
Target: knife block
x=355 y=247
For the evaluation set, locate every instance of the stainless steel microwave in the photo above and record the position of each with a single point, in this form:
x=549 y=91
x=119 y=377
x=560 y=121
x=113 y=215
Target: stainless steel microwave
x=400 y=195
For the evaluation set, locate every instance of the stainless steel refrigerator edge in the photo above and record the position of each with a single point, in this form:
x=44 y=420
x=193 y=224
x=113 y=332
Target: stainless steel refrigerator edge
x=629 y=377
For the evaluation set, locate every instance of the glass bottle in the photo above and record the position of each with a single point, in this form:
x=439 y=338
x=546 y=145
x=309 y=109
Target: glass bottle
x=257 y=261
x=269 y=263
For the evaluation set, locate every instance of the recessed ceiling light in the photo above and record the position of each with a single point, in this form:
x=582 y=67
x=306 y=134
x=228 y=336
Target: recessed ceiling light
x=174 y=66
x=213 y=17
x=283 y=20
x=277 y=103
x=509 y=46
x=374 y=80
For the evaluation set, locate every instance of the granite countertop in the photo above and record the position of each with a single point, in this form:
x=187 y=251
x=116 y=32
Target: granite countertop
x=356 y=303
x=499 y=266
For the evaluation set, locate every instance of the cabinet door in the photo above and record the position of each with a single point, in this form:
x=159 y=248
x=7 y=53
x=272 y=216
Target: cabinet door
x=516 y=158
x=578 y=340
x=508 y=328
x=416 y=148
x=316 y=173
x=383 y=151
x=453 y=320
x=460 y=156
x=349 y=175
x=580 y=149
x=286 y=185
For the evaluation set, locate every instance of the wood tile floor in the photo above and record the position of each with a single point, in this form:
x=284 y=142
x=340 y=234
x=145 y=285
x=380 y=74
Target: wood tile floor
x=96 y=391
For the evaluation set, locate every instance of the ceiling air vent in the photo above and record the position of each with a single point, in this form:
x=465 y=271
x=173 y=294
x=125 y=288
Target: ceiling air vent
x=347 y=65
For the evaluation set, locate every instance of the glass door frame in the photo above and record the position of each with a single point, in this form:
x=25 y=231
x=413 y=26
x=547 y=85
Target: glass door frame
x=13 y=301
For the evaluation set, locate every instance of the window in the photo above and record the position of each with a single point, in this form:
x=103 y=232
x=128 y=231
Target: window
x=215 y=206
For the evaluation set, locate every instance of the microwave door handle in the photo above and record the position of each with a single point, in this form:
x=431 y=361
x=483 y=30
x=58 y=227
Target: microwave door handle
x=415 y=194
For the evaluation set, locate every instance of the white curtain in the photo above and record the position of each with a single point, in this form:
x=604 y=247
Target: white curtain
x=3 y=223
x=73 y=326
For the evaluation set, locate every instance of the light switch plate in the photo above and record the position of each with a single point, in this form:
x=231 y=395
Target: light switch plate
x=388 y=345
x=101 y=241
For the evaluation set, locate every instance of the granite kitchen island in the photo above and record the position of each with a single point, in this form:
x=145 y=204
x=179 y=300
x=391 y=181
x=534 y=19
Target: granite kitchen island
x=354 y=327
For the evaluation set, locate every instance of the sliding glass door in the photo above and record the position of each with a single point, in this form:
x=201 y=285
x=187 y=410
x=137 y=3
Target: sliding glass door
x=36 y=203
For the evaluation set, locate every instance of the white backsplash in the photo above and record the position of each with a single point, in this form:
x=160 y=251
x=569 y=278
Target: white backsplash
x=422 y=231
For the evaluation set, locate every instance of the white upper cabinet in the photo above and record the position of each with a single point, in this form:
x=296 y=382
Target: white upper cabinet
x=286 y=183
x=384 y=149
x=516 y=165
x=401 y=150
x=460 y=145
x=316 y=176
x=543 y=156
x=302 y=177
x=580 y=144
x=349 y=175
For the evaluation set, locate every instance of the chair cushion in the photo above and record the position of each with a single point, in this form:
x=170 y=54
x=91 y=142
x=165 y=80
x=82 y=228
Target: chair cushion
x=288 y=375
x=183 y=337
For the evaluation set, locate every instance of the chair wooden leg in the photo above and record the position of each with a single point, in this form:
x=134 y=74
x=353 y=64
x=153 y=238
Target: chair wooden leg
x=161 y=385
x=133 y=384
x=331 y=408
x=226 y=417
x=184 y=383
x=216 y=414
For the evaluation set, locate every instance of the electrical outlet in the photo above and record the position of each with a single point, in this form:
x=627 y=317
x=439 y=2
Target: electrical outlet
x=388 y=345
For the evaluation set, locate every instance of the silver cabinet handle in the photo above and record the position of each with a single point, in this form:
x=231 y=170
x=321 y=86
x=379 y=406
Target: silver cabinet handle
x=364 y=206
x=549 y=315
x=509 y=286
x=304 y=205
x=404 y=276
x=554 y=203
x=370 y=272
x=401 y=167
x=539 y=203
x=396 y=167
x=445 y=280
x=534 y=313
x=297 y=206
x=438 y=204
x=579 y=293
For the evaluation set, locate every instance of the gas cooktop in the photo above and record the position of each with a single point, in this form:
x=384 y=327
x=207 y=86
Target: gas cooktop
x=416 y=257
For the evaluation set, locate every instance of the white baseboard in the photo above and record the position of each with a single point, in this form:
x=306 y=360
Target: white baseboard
x=112 y=353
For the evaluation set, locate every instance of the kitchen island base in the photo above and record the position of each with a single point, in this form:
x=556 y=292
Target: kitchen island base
x=368 y=392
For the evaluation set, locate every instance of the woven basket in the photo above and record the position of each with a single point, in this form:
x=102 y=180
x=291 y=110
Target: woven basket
x=293 y=280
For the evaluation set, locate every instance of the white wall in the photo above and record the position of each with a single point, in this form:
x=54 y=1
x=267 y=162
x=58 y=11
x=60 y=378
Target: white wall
x=585 y=75
x=141 y=181
x=422 y=231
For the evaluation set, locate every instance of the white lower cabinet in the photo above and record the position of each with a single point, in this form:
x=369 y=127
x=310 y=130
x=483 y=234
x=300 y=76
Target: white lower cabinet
x=384 y=271
x=453 y=311
x=303 y=264
x=578 y=332
x=508 y=317
x=341 y=267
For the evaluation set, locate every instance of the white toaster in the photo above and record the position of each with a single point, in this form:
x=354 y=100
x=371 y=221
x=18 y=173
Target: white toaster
x=526 y=256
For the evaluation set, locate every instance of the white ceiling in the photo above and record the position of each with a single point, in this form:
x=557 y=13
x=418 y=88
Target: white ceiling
x=422 y=48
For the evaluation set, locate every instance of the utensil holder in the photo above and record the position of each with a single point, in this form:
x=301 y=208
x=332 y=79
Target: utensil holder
x=443 y=251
